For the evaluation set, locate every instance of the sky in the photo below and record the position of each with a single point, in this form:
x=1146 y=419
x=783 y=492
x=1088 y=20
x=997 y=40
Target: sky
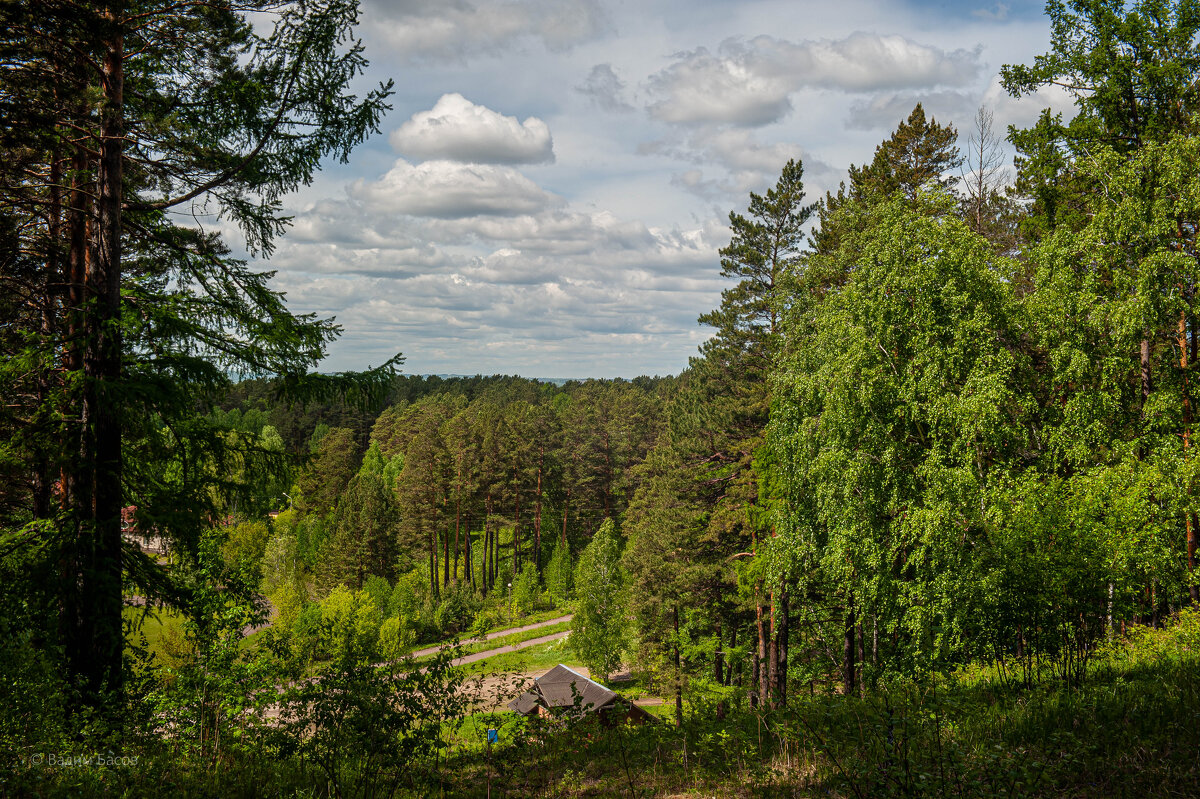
x=549 y=193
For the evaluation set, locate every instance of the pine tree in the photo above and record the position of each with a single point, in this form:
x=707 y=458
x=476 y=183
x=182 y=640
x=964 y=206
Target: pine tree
x=363 y=543
x=920 y=154
x=141 y=111
x=762 y=252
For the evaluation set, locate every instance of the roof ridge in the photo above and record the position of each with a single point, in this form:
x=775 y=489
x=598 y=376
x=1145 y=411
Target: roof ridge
x=577 y=674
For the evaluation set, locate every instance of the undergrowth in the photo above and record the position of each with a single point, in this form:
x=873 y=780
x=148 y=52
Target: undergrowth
x=1132 y=729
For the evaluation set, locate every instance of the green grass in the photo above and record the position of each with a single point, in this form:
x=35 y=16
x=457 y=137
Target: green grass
x=160 y=626
x=1130 y=730
x=475 y=646
x=533 y=618
x=536 y=658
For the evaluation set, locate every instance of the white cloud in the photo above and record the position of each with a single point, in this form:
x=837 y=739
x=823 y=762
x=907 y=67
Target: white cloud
x=750 y=82
x=1024 y=111
x=458 y=130
x=749 y=165
x=484 y=292
x=455 y=30
x=997 y=13
x=471 y=269
x=889 y=109
x=702 y=87
x=605 y=89
x=449 y=190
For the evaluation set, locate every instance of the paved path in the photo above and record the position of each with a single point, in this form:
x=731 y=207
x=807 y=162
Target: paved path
x=420 y=653
x=509 y=648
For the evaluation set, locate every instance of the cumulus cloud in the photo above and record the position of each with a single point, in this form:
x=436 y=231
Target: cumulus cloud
x=748 y=164
x=555 y=287
x=1024 y=111
x=448 y=190
x=889 y=109
x=997 y=13
x=605 y=89
x=749 y=83
x=456 y=129
x=454 y=30
x=725 y=87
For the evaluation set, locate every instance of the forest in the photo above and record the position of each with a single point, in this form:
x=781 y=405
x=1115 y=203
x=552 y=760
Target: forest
x=919 y=518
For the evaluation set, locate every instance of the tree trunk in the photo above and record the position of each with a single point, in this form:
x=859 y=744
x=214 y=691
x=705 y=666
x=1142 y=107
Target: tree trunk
x=1189 y=520
x=52 y=291
x=756 y=663
x=848 y=665
x=858 y=629
x=516 y=552
x=719 y=669
x=458 y=525
x=566 y=509
x=782 y=630
x=761 y=670
x=95 y=652
x=732 y=646
x=719 y=658
x=433 y=582
x=772 y=653
x=489 y=574
x=537 y=513
x=678 y=672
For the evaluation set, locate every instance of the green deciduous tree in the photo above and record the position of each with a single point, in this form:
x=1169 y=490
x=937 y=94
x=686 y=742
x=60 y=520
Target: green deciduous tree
x=1119 y=175
x=527 y=591
x=559 y=574
x=900 y=399
x=1131 y=69
x=599 y=631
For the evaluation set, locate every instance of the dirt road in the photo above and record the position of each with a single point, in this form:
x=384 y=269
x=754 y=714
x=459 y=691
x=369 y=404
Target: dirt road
x=502 y=633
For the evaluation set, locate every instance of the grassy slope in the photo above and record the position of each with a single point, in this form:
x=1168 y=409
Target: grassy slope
x=1132 y=730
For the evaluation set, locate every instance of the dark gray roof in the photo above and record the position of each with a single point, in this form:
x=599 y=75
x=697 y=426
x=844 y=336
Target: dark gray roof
x=554 y=689
x=524 y=703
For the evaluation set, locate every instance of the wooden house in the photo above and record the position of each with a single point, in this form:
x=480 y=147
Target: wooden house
x=564 y=690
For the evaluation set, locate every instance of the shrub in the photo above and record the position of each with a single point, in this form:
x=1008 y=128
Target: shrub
x=558 y=574
x=526 y=591
x=396 y=637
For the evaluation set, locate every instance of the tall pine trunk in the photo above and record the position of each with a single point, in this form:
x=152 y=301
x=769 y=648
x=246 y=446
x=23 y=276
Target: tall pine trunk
x=1189 y=518
x=489 y=577
x=445 y=547
x=849 y=669
x=761 y=670
x=95 y=648
x=458 y=527
x=678 y=671
x=782 y=630
x=566 y=510
x=718 y=674
x=537 y=512
x=516 y=552
x=773 y=653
